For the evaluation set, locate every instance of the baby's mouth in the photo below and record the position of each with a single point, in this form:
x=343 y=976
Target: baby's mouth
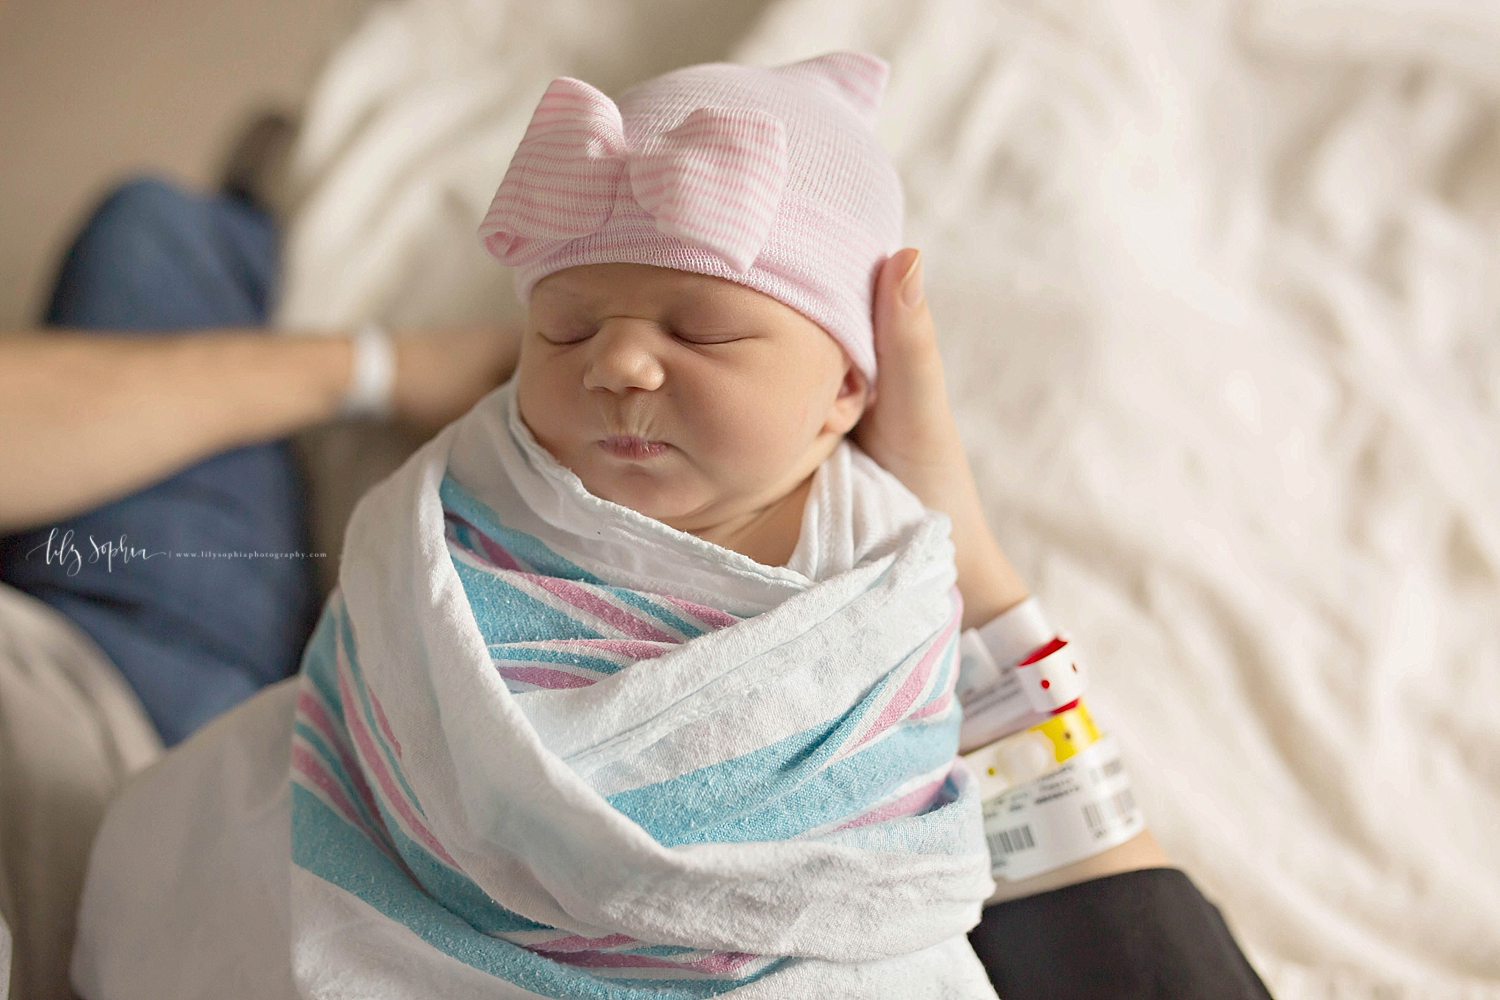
x=634 y=448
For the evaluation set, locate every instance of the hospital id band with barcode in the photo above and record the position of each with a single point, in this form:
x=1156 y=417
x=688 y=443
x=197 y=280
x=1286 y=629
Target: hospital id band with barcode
x=1083 y=808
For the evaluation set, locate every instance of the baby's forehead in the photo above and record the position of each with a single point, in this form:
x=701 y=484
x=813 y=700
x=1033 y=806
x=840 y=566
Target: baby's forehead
x=603 y=286
x=591 y=293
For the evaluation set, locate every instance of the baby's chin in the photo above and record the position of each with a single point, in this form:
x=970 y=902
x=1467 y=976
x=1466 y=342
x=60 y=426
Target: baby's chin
x=647 y=493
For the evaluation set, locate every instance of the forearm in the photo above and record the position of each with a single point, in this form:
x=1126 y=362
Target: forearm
x=1141 y=851
x=88 y=418
x=941 y=479
x=991 y=586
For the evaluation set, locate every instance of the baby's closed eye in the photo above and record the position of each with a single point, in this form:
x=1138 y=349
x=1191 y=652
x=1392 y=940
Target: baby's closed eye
x=567 y=333
x=709 y=335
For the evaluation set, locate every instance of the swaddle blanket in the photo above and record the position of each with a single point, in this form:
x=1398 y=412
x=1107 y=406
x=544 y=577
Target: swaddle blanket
x=546 y=746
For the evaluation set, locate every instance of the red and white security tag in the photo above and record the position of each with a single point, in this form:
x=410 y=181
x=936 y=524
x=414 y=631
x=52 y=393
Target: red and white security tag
x=998 y=700
x=988 y=688
x=1050 y=676
x=1083 y=808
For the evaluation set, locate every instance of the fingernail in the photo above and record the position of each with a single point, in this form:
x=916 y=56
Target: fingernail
x=911 y=284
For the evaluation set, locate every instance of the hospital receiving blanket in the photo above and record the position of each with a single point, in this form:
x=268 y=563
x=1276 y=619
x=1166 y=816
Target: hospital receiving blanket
x=548 y=746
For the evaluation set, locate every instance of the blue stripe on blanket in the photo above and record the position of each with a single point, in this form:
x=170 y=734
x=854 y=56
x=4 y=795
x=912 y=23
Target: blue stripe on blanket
x=346 y=636
x=320 y=650
x=533 y=653
x=789 y=788
x=494 y=587
x=458 y=893
x=659 y=609
x=317 y=670
x=329 y=848
x=527 y=549
x=431 y=879
x=335 y=769
x=504 y=614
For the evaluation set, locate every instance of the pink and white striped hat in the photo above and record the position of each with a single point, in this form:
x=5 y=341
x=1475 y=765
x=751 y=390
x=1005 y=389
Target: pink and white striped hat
x=773 y=178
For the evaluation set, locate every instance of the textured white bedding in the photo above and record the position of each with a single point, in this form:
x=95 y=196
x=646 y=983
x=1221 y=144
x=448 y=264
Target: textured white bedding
x=1219 y=289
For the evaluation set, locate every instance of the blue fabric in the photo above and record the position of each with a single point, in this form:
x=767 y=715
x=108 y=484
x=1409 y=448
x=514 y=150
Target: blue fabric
x=194 y=636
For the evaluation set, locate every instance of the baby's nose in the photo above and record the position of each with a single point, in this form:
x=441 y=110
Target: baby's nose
x=623 y=356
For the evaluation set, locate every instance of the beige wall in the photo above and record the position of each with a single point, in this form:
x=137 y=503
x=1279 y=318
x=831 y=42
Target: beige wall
x=94 y=90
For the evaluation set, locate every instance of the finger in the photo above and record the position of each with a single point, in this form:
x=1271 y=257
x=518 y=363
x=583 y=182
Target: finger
x=906 y=351
x=905 y=338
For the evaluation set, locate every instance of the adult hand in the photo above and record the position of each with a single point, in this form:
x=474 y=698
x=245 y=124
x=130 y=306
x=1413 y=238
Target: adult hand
x=440 y=374
x=909 y=430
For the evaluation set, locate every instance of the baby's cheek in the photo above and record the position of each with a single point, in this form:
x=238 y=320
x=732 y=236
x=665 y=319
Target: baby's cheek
x=544 y=408
x=771 y=437
x=728 y=430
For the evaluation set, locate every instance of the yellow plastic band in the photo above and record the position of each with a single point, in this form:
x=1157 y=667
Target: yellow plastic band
x=1033 y=752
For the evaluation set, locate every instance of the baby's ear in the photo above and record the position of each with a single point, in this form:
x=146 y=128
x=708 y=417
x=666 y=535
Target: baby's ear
x=849 y=404
x=854 y=382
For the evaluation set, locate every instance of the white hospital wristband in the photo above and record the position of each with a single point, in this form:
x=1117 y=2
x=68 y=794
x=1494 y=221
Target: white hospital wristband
x=1083 y=808
x=997 y=698
x=1011 y=636
x=372 y=377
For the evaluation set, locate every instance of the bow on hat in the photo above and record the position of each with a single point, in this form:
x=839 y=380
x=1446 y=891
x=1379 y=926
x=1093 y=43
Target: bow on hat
x=714 y=181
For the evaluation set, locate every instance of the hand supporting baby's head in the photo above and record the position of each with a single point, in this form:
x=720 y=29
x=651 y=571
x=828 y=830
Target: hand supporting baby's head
x=699 y=262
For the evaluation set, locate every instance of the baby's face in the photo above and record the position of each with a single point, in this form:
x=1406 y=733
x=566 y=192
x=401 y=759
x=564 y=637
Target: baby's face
x=690 y=399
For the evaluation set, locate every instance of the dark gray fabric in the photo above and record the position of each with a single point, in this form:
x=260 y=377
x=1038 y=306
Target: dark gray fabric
x=1140 y=935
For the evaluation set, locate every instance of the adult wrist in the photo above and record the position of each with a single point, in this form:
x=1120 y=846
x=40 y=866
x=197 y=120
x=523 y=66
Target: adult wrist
x=989 y=584
x=372 y=374
x=990 y=587
x=1053 y=788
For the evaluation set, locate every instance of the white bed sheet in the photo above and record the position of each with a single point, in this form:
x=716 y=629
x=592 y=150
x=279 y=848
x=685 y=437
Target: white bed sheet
x=1219 y=289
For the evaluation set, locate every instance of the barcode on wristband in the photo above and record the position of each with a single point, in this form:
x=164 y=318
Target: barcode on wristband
x=1017 y=838
x=1102 y=815
x=1084 y=807
x=1109 y=770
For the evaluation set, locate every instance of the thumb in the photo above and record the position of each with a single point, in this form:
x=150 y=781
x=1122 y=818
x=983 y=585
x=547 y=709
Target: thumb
x=908 y=427
x=906 y=352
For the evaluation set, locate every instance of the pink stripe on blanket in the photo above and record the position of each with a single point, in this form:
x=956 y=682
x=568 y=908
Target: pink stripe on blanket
x=316 y=716
x=577 y=942
x=915 y=681
x=581 y=598
x=712 y=617
x=636 y=649
x=718 y=964
x=375 y=762
x=723 y=963
x=545 y=677
x=311 y=709
x=491 y=550
x=934 y=707
x=307 y=764
x=383 y=723
x=910 y=804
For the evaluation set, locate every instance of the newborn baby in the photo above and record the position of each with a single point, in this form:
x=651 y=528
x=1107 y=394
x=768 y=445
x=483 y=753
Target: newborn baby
x=700 y=306
x=639 y=679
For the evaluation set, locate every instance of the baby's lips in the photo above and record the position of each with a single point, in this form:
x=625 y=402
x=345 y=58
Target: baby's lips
x=633 y=448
